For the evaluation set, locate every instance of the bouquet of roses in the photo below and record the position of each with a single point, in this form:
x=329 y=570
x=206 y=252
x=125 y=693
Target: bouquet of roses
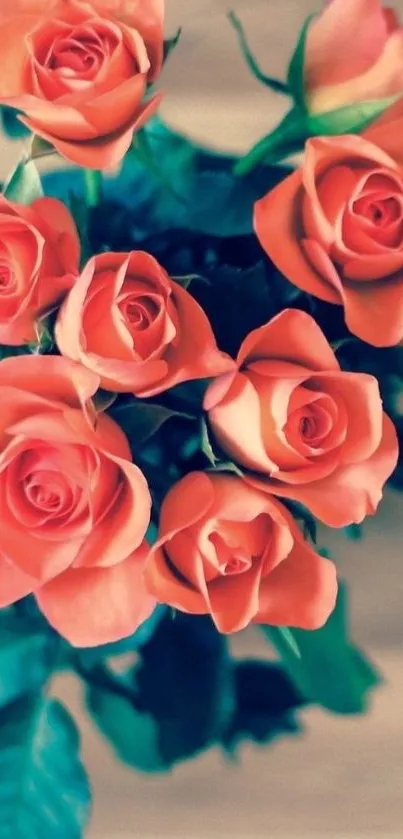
x=200 y=360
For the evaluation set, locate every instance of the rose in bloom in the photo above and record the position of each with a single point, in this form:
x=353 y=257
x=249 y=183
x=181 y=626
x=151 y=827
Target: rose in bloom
x=354 y=53
x=299 y=426
x=39 y=256
x=74 y=509
x=335 y=229
x=126 y=320
x=79 y=72
x=227 y=549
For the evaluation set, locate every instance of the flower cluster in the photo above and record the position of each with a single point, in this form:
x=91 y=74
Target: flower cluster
x=289 y=429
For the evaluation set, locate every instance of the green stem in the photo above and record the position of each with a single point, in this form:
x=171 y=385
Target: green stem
x=93 y=187
x=286 y=139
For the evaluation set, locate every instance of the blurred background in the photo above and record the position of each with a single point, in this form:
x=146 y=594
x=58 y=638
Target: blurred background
x=343 y=779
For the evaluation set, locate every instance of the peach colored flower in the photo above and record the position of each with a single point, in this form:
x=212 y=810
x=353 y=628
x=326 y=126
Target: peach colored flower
x=335 y=229
x=39 y=257
x=74 y=509
x=300 y=427
x=79 y=72
x=227 y=549
x=354 y=53
x=139 y=330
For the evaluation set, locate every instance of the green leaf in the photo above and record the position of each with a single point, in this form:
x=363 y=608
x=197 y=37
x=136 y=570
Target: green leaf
x=141 y=420
x=257 y=72
x=351 y=119
x=296 y=67
x=171 y=43
x=26 y=656
x=206 y=444
x=44 y=791
x=181 y=697
x=330 y=670
x=24 y=185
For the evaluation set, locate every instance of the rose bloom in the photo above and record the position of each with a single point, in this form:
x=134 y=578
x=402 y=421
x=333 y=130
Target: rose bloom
x=299 y=426
x=335 y=229
x=39 y=256
x=126 y=320
x=74 y=509
x=354 y=53
x=226 y=549
x=79 y=72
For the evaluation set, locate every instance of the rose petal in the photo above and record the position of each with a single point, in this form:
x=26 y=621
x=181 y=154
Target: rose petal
x=96 y=606
x=234 y=600
x=277 y=223
x=292 y=336
x=300 y=592
x=103 y=152
x=14 y=584
x=237 y=426
x=344 y=41
x=167 y=588
x=351 y=492
x=59 y=380
x=382 y=79
x=374 y=311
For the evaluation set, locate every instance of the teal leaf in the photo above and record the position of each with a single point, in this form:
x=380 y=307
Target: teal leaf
x=141 y=420
x=24 y=185
x=12 y=127
x=266 y=705
x=26 y=656
x=330 y=670
x=133 y=734
x=353 y=532
x=44 y=791
x=180 y=700
x=275 y=84
x=296 y=67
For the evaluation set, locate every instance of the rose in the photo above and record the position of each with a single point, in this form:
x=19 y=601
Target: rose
x=39 y=256
x=354 y=53
x=301 y=427
x=140 y=331
x=79 y=72
x=74 y=509
x=226 y=549
x=335 y=229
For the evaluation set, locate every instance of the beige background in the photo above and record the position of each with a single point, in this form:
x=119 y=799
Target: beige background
x=344 y=778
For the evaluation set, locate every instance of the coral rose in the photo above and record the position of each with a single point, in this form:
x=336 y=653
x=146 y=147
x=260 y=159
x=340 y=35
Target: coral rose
x=39 y=256
x=79 y=72
x=139 y=330
x=354 y=53
x=335 y=229
x=74 y=509
x=227 y=549
x=301 y=427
